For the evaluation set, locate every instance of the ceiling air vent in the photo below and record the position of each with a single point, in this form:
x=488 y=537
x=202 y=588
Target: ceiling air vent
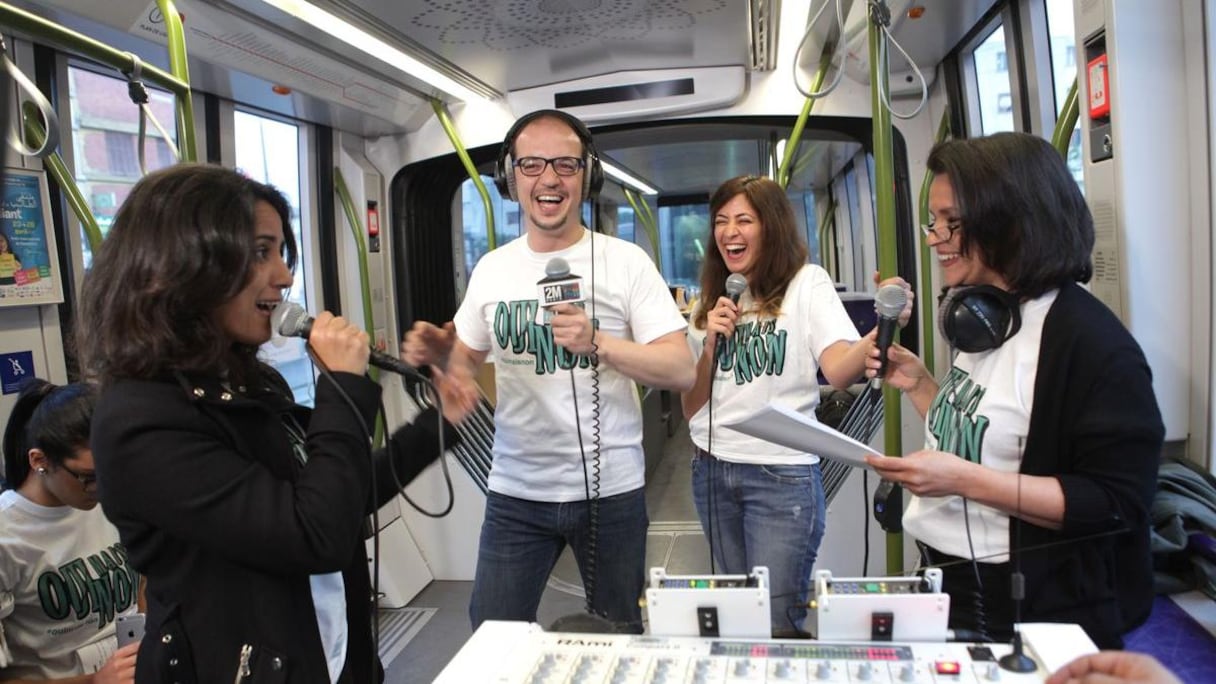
x=764 y=16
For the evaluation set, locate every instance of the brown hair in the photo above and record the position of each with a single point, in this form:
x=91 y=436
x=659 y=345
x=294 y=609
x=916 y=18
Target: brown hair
x=181 y=246
x=783 y=250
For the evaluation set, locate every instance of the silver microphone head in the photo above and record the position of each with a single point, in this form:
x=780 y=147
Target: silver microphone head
x=736 y=285
x=890 y=301
x=290 y=319
x=557 y=268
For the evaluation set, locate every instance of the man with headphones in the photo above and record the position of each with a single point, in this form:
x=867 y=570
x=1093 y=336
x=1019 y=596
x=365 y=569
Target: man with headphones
x=568 y=464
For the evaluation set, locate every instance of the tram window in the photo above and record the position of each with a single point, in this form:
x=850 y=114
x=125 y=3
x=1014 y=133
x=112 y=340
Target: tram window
x=682 y=233
x=473 y=219
x=105 y=135
x=992 y=81
x=255 y=137
x=1064 y=72
x=812 y=227
x=626 y=228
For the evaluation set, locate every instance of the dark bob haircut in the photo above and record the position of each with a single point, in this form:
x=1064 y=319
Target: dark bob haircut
x=1021 y=210
x=182 y=244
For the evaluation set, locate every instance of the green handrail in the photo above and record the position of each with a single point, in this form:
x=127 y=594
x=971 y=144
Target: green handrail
x=644 y=216
x=181 y=71
x=356 y=231
x=35 y=133
x=1066 y=122
x=784 y=172
x=927 y=316
x=884 y=184
x=365 y=290
x=177 y=83
x=445 y=120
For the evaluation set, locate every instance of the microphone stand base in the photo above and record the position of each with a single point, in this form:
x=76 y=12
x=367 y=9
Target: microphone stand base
x=1018 y=662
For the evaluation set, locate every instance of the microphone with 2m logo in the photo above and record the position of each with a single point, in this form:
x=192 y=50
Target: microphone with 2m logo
x=291 y=320
x=559 y=286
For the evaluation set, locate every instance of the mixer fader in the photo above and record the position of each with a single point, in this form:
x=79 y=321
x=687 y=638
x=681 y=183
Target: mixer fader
x=522 y=653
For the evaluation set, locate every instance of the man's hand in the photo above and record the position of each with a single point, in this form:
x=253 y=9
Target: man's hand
x=428 y=345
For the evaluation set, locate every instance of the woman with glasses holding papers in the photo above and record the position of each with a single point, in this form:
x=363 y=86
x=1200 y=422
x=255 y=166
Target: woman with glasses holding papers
x=1042 y=441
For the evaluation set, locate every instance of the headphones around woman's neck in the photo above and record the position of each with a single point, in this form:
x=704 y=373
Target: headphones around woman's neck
x=978 y=318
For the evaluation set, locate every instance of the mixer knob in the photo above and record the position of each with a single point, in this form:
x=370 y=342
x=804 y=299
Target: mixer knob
x=823 y=670
x=742 y=668
x=865 y=672
x=994 y=673
x=907 y=673
x=782 y=670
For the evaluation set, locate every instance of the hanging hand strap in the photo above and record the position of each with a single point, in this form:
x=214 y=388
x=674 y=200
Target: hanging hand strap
x=139 y=95
x=26 y=90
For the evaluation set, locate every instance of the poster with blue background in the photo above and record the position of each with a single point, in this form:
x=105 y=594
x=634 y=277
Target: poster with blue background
x=28 y=258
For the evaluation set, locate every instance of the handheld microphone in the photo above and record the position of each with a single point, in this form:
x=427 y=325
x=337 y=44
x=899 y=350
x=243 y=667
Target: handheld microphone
x=889 y=302
x=736 y=285
x=559 y=286
x=291 y=320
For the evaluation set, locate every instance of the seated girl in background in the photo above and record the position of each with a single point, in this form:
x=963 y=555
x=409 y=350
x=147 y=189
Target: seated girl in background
x=64 y=578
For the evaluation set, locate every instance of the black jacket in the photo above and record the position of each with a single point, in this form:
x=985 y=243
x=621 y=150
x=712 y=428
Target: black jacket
x=1096 y=427
x=227 y=523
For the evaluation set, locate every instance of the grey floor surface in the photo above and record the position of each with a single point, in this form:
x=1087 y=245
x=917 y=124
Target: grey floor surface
x=675 y=542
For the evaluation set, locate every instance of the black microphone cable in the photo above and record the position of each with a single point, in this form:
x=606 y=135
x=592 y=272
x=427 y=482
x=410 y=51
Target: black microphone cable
x=437 y=402
x=592 y=477
x=735 y=286
x=977 y=595
x=593 y=504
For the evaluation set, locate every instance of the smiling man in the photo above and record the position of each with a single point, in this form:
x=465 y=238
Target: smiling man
x=568 y=439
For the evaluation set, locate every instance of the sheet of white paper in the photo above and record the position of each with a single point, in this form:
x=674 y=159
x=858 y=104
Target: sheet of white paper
x=787 y=427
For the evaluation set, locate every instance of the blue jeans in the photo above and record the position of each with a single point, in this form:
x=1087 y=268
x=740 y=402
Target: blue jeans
x=521 y=541
x=770 y=515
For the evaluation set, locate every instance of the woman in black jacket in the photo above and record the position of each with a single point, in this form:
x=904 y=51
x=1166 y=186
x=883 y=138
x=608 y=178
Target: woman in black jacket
x=243 y=510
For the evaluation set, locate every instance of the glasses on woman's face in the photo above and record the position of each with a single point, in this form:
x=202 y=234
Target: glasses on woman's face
x=535 y=166
x=85 y=479
x=949 y=226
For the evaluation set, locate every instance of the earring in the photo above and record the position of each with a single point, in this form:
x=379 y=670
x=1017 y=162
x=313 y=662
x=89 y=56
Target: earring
x=42 y=471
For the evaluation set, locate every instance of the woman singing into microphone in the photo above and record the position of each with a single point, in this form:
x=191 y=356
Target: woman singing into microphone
x=243 y=510
x=759 y=503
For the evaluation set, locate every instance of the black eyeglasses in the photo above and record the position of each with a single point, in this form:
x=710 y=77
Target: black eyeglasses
x=950 y=226
x=562 y=166
x=85 y=479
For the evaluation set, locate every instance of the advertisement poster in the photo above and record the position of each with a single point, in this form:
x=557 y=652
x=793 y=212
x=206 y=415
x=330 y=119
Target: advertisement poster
x=29 y=262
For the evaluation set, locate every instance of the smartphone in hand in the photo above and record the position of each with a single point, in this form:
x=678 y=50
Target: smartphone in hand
x=129 y=628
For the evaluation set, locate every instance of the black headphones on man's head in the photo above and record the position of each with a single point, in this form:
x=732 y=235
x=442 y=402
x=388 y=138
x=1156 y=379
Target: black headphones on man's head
x=978 y=318
x=593 y=172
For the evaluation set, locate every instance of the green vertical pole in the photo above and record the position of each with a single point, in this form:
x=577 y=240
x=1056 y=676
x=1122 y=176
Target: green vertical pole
x=445 y=120
x=178 y=66
x=786 y=170
x=884 y=189
x=1066 y=122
